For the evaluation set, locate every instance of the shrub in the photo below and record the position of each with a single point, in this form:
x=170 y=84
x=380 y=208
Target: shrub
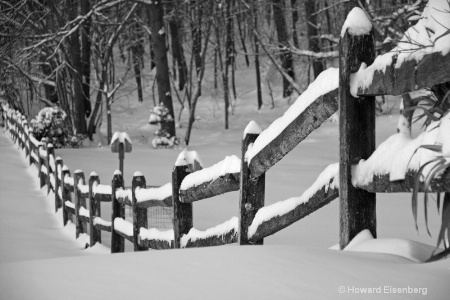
x=50 y=123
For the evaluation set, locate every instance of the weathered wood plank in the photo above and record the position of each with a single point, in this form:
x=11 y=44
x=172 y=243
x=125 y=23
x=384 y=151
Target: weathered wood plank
x=103 y=227
x=123 y=235
x=381 y=184
x=227 y=238
x=223 y=184
x=69 y=210
x=157 y=244
x=103 y=197
x=356 y=138
x=321 y=198
x=432 y=69
x=310 y=119
x=152 y=203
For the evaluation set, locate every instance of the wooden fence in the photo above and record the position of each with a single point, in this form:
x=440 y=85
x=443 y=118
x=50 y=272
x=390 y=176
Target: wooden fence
x=256 y=221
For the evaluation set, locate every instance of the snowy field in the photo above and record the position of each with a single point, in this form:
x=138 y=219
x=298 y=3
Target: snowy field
x=41 y=260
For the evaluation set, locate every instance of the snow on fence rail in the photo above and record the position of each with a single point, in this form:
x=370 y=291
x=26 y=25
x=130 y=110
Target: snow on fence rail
x=392 y=73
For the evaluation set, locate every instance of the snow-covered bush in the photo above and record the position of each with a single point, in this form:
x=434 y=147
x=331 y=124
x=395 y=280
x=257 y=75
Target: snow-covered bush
x=50 y=123
x=159 y=115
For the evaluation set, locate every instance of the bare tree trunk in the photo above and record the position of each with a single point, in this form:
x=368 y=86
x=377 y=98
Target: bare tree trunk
x=79 y=110
x=137 y=53
x=177 y=48
x=311 y=22
x=295 y=18
x=257 y=68
x=86 y=56
x=279 y=8
x=197 y=35
x=162 y=66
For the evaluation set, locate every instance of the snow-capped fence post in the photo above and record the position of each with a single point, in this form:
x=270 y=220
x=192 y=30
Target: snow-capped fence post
x=50 y=153
x=94 y=211
x=251 y=192
x=356 y=127
x=27 y=139
x=40 y=159
x=139 y=214
x=80 y=201
x=31 y=150
x=58 y=185
x=182 y=212
x=118 y=211
x=65 y=194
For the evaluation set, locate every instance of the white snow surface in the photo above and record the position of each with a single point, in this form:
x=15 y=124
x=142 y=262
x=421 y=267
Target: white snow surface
x=252 y=128
x=83 y=212
x=327 y=81
x=121 y=137
x=188 y=158
x=231 y=164
x=396 y=155
x=219 y=230
x=364 y=242
x=329 y=178
x=357 y=23
x=159 y=193
x=121 y=193
x=156 y=234
x=123 y=226
x=100 y=221
x=101 y=189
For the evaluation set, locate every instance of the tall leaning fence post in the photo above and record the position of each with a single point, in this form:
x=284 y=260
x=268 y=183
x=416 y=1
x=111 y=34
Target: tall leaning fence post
x=65 y=194
x=251 y=192
x=80 y=201
x=118 y=211
x=182 y=212
x=139 y=214
x=94 y=210
x=356 y=130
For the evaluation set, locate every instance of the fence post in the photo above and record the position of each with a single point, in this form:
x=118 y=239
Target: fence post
x=65 y=194
x=139 y=214
x=31 y=149
x=182 y=212
x=251 y=194
x=357 y=138
x=80 y=201
x=41 y=177
x=27 y=138
x=50 y=152
x=94 y=211
x=58 y=186
x=118 y=211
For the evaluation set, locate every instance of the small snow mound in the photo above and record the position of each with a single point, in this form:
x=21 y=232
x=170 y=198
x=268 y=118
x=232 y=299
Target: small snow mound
x=412 y=250
x=252 y=128
x=357 y=23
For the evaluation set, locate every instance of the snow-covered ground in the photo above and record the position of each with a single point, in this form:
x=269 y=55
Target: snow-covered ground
x=40 y=260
